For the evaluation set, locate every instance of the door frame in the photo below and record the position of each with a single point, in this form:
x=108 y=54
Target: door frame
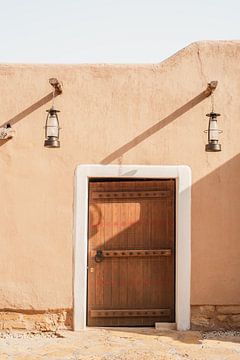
x=182 y=174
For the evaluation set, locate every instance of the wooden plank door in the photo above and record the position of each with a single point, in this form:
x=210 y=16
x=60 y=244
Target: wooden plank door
x=131 y=252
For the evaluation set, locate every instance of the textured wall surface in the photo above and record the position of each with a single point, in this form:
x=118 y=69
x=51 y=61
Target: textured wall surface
x=211 y=317
x=107 y=116
x=36 y=321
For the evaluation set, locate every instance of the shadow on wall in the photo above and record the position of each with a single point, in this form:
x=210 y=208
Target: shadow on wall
x=153 y=129
x=27 y=112
x=215 y=241
x=216 y=236
x=131 y=144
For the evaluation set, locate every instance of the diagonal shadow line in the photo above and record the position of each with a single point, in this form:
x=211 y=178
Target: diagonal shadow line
x=29 y=110
x=162 y=123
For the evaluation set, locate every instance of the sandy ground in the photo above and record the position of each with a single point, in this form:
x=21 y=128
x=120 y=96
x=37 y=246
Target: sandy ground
x=113 y=344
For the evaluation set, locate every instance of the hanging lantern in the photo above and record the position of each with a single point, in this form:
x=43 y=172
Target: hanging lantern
x=213 y=131
x=52 y=129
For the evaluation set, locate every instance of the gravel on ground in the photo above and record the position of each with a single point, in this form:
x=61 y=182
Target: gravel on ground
x=120 y=344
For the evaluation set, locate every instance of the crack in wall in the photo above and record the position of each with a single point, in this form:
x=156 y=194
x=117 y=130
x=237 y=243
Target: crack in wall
x=203 y=76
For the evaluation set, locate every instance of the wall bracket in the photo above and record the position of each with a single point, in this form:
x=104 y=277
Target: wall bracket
x=6 y=132
x=211 y=87
x=57 y=85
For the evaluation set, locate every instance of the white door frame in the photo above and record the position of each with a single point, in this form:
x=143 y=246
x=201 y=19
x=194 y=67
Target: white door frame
x=182 y=174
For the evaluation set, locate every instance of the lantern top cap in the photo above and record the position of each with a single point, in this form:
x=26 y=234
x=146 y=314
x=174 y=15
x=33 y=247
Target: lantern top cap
x=213 y=114
x=52 y=111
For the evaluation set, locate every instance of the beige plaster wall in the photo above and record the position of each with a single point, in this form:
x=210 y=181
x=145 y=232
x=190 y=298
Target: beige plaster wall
x=103 y=108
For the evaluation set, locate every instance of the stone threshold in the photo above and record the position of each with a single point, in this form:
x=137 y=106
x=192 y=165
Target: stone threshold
x=165 y=326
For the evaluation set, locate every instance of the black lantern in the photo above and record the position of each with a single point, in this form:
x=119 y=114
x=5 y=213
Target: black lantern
x=52 y=129
x=213 y=133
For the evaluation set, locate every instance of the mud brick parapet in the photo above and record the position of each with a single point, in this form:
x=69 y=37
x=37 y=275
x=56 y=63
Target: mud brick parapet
x=215 y=317
x=35 y=320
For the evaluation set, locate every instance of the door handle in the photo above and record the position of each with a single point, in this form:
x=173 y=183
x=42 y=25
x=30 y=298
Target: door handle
x=99 y=256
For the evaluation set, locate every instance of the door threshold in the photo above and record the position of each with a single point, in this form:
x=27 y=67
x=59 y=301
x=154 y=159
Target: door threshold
x=165 y=326
x=158 y=326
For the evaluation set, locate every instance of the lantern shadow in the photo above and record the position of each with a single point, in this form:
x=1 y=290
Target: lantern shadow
x=95 y=221
x=156 y=127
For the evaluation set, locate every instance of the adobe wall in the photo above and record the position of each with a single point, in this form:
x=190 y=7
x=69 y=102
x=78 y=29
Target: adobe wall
x=103 y=108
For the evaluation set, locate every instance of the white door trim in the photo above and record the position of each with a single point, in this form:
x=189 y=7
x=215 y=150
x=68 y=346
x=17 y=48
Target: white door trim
x=182 y=174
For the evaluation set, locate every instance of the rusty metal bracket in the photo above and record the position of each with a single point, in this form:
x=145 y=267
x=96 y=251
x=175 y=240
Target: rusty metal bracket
x=211 y=87
x=6 y=132
x=57 y=85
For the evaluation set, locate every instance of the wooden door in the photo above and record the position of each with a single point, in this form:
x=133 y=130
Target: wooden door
x=131 y=252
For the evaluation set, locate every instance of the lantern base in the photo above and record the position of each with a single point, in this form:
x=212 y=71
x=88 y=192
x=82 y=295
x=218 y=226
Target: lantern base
x=52 y=142
x=212 y=147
